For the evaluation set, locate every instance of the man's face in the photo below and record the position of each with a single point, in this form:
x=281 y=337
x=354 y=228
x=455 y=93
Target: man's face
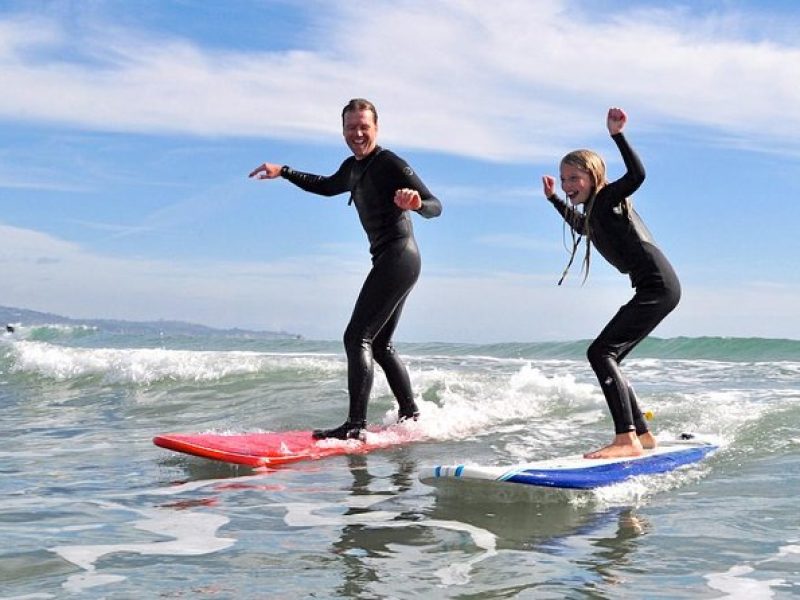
x=360 y=132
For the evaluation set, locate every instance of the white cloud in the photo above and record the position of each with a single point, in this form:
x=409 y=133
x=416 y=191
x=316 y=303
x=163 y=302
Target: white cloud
x=301 y=294
x=517 y=242
x=313 y=296
x=469 y=81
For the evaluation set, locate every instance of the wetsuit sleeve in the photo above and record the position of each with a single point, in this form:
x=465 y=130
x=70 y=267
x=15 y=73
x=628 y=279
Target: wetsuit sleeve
x=431 y=206
x=338 y=183
x=573 y=218
x=634 y=169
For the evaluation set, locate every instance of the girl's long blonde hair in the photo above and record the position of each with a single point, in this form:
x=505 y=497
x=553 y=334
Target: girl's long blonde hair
x=593 y=164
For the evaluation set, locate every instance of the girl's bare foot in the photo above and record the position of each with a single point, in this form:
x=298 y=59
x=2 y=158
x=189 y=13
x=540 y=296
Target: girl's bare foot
x=625 y=444
x=648 y=441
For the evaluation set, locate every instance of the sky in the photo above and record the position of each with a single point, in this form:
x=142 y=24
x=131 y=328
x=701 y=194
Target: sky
x=128 y=128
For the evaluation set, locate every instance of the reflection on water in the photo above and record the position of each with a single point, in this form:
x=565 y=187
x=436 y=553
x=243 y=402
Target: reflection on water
x=89 y=505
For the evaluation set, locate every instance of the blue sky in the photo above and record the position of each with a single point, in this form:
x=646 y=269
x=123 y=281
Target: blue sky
x=128 y=128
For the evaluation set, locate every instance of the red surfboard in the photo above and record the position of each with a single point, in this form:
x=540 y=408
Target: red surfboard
x=277 y=448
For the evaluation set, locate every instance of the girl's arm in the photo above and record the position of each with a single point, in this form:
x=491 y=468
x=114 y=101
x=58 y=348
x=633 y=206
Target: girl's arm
x=634 y=169
x=573 y=218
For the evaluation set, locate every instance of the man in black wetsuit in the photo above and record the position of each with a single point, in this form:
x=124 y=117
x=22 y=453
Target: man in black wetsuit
x=616 y=230
x=384 y=189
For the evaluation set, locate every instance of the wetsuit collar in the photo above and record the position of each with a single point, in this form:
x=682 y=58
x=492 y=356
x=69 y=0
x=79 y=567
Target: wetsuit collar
x=372 y=154
x=367 y=161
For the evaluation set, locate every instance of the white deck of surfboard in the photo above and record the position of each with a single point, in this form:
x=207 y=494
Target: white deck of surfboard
x=577 y=472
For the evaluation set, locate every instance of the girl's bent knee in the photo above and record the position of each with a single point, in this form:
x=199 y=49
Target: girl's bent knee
x=597 y=352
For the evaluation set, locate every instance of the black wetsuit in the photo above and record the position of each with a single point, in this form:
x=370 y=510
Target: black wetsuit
x=372 y=183
x=619 y=234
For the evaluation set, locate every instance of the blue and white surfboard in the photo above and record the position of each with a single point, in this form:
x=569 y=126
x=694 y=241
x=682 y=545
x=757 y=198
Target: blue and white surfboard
x=576 y=472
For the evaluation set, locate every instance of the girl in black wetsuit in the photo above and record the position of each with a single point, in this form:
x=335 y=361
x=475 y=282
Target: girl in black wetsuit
x=384 y=189
x=610 y=223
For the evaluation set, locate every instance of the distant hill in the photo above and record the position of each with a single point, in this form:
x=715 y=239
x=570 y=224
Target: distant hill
x=22 y=316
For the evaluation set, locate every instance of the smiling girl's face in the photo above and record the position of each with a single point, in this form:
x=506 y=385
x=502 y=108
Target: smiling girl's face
x=576 y=183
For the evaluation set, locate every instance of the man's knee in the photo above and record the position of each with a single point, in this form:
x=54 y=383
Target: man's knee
x=355 y=339
x=383 y=352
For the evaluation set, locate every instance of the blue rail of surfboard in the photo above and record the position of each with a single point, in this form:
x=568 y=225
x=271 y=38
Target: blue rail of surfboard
x=608 y=474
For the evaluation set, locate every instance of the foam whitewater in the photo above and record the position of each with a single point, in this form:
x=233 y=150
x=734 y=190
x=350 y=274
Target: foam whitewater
x=83 y=489
x=529 y=390
x=73 y=352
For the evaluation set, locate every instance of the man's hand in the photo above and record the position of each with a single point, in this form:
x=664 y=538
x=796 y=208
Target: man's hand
x=408 y=199
x=266 y=171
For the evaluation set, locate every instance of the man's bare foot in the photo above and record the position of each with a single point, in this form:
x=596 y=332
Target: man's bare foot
x=624 y=445
x=648 y=441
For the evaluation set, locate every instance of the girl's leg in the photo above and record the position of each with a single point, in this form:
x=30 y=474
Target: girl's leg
x=632 y=323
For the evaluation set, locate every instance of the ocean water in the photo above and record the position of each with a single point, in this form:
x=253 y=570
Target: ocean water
x=90 y=508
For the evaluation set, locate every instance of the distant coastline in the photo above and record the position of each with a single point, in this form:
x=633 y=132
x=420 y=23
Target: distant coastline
x=736 y=349
x=21 y=316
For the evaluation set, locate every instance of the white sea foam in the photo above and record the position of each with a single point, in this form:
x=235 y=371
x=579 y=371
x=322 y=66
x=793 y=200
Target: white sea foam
x=789 y=550
x=637 y=490
x=193 y=533
x=524 y=401
x=472 y=403
x=147 y=365
x=318 y=514
x=735 y=584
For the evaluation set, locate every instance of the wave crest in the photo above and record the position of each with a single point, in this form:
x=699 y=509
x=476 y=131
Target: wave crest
x=150 y=365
